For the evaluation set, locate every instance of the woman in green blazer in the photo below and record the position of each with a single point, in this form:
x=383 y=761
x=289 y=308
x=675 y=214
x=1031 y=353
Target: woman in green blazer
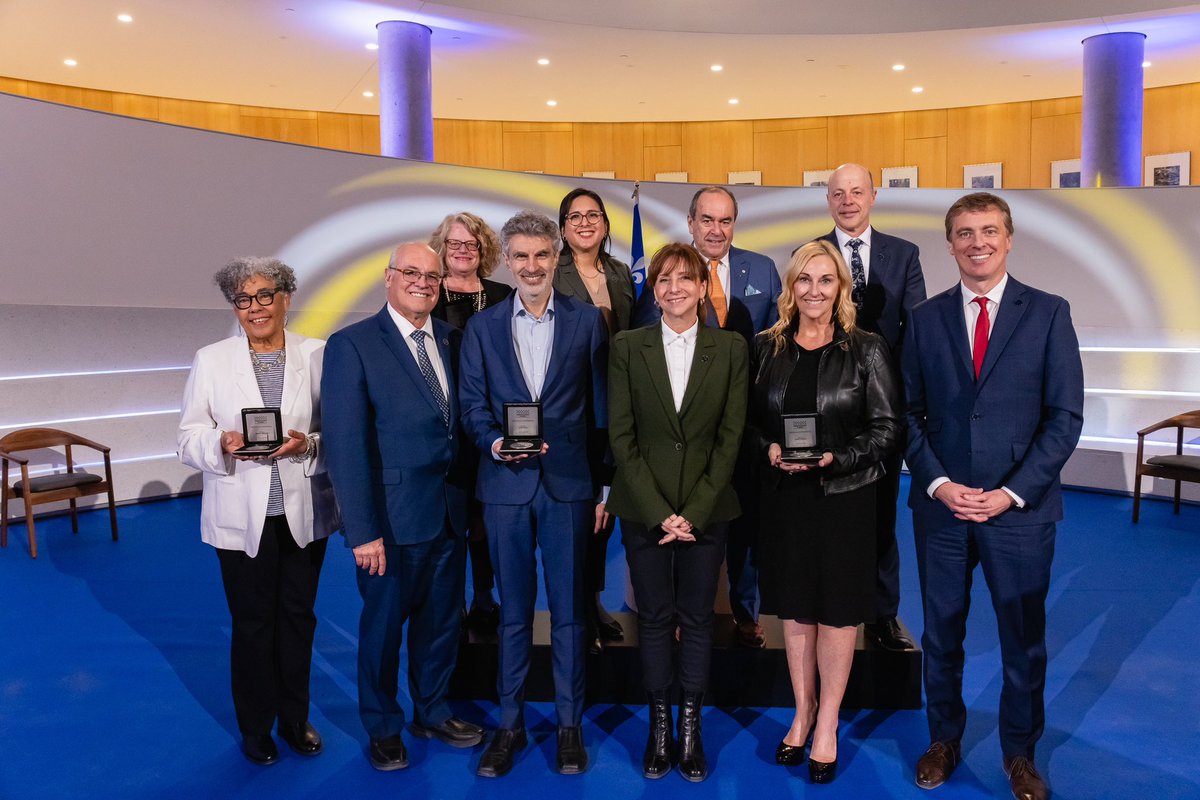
x=677 y=404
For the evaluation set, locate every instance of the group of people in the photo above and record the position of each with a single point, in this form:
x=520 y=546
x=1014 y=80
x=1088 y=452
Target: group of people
x=670 y=412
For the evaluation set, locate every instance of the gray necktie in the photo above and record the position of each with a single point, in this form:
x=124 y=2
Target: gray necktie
x=857 y=273
x=431 y=376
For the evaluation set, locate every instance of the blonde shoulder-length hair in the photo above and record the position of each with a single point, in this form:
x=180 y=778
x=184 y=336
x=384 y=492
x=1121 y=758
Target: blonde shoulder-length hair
x=844 y=311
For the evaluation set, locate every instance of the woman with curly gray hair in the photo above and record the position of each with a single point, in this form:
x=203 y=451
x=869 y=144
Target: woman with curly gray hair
x=267 y=512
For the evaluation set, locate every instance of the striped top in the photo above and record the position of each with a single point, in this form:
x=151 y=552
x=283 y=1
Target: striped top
x=270 y=386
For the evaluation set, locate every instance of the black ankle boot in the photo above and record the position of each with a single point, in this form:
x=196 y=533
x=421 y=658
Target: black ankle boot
x=656 y=761
x=692 y=763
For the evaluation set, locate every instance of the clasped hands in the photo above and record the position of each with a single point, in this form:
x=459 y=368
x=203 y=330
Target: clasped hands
x=295 y=444
x=973 y=505
x=677 y=529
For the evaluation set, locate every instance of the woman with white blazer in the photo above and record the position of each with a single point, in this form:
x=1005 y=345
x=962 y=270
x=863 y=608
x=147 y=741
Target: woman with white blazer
x=268 y=515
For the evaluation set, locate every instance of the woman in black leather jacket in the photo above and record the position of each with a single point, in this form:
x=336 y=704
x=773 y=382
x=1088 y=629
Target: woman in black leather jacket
x=817 y=536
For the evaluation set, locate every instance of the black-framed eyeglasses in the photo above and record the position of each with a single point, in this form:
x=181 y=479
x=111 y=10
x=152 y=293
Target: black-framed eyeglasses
x=413 y=275
x=264 y=297
x=576 y=218
x=458 y=244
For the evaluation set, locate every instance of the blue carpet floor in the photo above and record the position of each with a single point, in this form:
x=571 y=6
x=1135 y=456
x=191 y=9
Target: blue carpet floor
x=114 y=682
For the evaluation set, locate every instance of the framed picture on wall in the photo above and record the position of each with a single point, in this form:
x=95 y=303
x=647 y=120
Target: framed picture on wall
x=983 y=176
x=1169 y=169
x=671 y=177
x=607 y=174
x=899 y=178
x=749 y=177
x=817 y=177
x=1066 y=174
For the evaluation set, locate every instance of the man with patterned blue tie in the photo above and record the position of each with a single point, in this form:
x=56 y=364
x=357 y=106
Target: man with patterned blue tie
x=888 y=284
x=388 y=396
x=540 y=346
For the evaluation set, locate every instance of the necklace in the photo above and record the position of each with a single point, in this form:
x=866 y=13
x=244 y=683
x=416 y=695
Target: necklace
x=477 y=297
x=263 y=367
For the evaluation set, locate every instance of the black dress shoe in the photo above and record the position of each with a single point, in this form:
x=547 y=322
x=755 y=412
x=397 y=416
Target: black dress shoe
x=789 y=755
x=572 y=758
x=302 y=737
x=822 y=771
x=497 y=760
x=886 y=633
x=692 y=764
x=484 y=621
x=609 y=629
x=935 y=766
x=593 y=641
x=1024 y=780
x=388 y=753
x=260 y=748
x=656 y=759
x=454 y=732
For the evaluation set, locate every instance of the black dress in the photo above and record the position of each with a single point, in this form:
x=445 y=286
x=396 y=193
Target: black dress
x=458 y=307
x=817 y=557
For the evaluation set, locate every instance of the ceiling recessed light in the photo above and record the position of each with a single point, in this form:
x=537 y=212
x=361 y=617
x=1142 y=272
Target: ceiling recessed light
x=70 y=62
x=368 y=93
x=551 y=103
x=371 y=46
x=543 y=62
x=897 y=67
x=733 y=101
x=918 y=89
x=1145 y=64
x=716 y=68
x=124 y=18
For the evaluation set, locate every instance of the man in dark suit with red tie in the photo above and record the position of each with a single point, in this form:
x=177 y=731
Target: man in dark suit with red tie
x=887 y=285
x=994 y=386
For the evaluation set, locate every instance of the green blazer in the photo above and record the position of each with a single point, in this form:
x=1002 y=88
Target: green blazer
x=616 y=275
x=676 y=463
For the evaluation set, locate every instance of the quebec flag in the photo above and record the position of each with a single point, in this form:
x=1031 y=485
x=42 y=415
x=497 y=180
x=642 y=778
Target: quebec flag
x=637 y=252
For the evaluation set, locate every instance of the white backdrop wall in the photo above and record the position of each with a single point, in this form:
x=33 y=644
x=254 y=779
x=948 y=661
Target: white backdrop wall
x=111 y=229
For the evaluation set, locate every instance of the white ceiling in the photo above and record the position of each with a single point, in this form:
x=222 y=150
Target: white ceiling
x=611 y=60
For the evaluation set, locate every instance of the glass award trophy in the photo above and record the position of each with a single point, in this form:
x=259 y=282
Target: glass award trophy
x=800 y=439
x=522 y=429
x=262 y=432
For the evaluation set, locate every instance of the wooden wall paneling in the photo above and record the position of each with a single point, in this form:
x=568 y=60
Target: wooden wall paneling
x=592 y=146
x=873 y=140
x=667 y=158
x=711 y=150
x=783 y=155
x=983 y=134
x=923 y=125
x=628 y=143
x=929 y=157
x=136 y=105
x=790 y=124
x=471 y=143
x=662 y=134
x=211 y=116
x=1171 y=123
x=1052 y=138
x=280 y=124
x=1056 y=107
x=550 y=152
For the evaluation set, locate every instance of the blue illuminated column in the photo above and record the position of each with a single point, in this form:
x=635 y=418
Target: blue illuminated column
x=1112 y=109
x=405 y=91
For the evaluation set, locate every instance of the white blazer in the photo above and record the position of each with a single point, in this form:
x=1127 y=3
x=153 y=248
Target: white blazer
x=233 y=505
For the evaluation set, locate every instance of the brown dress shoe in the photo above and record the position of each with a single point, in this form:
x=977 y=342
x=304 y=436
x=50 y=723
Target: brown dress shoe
x=939 y=761
x=750 y=634
x=1024 y=779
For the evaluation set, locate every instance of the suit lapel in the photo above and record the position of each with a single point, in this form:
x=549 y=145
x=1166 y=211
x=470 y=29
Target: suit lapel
x=441 y=332
x=1008 y=316
x=572 y=282
x=655 y=358
x=879 y=259
x=954 y=322
x=566 y=320
x=701 y=361
x=244 y=378
x=395 y=342
x=738 y=276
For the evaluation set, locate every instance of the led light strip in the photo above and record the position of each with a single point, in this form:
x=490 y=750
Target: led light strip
x=1149 y=442
x=1139 y=349
x=1142 y=392
x=46 y=423
x=90 y=373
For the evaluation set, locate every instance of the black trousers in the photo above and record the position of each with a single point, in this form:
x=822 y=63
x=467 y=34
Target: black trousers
x=674 y=584
x=270 y=599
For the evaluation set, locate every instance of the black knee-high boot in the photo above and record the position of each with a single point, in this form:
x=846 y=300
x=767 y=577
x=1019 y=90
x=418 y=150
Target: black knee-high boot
x=656 y=761
x=692 y=763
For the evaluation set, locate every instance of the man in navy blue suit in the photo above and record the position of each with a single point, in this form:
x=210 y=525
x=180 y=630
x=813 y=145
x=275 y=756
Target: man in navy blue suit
x=995 y=407
x=888 y=283
x=539 y=346
x=744 y=289
x=390 y=412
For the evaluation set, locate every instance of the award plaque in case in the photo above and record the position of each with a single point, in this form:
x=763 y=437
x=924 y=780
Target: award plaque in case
x=800 y=444
x=522 y=429
x=262 y=431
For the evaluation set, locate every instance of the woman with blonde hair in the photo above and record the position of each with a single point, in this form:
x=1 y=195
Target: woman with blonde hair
x=818 y=508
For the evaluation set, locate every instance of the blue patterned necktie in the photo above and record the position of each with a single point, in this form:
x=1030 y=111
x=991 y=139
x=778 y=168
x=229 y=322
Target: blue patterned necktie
x=857 y=273
x=431 y=376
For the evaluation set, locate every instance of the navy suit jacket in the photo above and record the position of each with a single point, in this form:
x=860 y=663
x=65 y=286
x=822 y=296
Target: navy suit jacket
x=574 y=404
x=1016 y=426
x=396 y=469
x=754 y=289
x=895 y=285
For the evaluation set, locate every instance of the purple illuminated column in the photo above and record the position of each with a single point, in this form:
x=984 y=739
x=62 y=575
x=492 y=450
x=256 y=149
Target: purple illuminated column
x=405 y=91
x=1112 y=109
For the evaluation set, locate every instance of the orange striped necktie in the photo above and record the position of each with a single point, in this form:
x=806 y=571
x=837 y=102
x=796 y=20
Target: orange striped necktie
x=716 y=293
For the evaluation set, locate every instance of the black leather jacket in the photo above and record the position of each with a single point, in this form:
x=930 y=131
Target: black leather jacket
x=858 y=404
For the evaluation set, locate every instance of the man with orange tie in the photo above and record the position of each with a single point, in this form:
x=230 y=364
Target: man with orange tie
x=744 y=289
x=994 y=385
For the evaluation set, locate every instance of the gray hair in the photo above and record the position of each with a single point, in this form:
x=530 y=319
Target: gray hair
x=533 y=224
x=234 y=275
x=706 y=190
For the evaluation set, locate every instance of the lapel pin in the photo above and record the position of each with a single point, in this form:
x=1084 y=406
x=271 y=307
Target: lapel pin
x=703 y=359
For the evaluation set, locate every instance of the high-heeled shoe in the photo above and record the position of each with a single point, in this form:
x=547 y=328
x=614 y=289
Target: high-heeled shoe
x=822 y=771
x=789 y=755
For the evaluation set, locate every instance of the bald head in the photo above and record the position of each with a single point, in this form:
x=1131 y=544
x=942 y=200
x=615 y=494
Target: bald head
x=851 y=194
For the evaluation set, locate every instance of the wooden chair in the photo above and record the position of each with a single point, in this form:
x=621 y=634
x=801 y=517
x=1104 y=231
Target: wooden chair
x=1176 y=467
x=69 y=485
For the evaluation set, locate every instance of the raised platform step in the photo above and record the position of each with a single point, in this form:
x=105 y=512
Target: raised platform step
x=740 y=677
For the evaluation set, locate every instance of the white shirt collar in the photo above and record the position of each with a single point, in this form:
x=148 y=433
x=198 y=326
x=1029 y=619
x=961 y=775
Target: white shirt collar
x=723 y=261
x=844 y=237
x=994 y=295
x=688 y=336
x=405 y=327
x=519 y=309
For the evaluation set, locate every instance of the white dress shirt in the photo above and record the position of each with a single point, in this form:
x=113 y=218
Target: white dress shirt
x=679 y=349
x=722 y=269
x=431 y=345
x=864 y=250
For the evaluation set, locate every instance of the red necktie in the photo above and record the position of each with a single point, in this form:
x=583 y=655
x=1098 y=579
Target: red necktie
x=981 y=335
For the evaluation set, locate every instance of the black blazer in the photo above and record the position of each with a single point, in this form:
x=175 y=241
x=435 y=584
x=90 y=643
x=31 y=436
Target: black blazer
x=458 y=312
x=858 y=404
x=616 y=274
